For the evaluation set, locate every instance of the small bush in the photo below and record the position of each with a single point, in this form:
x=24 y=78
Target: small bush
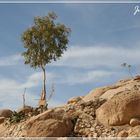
x=16 y=117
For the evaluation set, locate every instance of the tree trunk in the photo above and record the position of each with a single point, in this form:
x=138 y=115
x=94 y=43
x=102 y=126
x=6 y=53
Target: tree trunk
x=44 y=84
x=42 y=102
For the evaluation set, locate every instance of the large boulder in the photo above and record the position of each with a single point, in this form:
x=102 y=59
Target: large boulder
x=122 y=133
x=51 y=123
x=134 y=122
x=2 y=119
x=108 y=92
x=96 y=93
x=50 y=128
x=6 y=113
x=120 y=109
x=118 y=89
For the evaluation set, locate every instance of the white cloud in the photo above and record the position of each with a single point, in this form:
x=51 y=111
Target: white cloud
x=11 y=94
x=93 y=63
x=11 y=91
x=36 y=79
x=85 y=65
x=86 y=77
x=98 y=56
x=10 y=60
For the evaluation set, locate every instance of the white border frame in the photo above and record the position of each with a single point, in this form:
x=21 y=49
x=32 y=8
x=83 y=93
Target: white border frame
x=71 y=2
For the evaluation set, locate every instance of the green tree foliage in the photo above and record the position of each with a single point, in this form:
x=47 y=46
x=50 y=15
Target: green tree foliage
x=45 y=42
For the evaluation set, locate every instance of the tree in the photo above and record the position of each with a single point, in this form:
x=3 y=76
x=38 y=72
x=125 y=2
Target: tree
x=44 y=42
x=125 y=65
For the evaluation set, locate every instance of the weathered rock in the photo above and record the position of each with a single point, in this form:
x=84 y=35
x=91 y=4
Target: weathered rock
x=50 y=128
x=56 y=113
x=134 y=122
x=137 y=77
x=75 y=100
x=116 y=105
x=110 y=91
x=25 y=109
x=123 y=133
x=123 y=82
x=2 y=119
x=134 y=131
x=6 y=113
x=95 y=94
x=120 y=109
x=50 y=124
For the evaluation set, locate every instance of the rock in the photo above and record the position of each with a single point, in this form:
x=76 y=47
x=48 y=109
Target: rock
x=51 y=123
x=123 y=82
x=95 y=94
x=134 y=131
x=110 y=91
x=85 y=116
x=2 y=119
x=6 y=113
x=137 y=77
x=56 y=113
x=134 y=122
x=50 y=128
x=26 y=109
x=92 y=129
x=74 y=100
x=95 y=135
x=123 y=133
x=115 y=91
x=120 y=109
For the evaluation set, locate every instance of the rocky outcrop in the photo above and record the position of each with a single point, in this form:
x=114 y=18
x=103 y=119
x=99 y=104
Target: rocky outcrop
x=49 y=124
x=2 y=119
x=134 y=122
x=95 y=93
x=74 y=100
x=134 y=131
x=6 y=113
x=50 y=128
x=111 y=111
x=110 y=91
x=120 y=109
x=122 y=133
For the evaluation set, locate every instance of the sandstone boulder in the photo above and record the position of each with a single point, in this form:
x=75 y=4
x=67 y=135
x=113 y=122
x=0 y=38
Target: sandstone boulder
x=134 y=122
x=120 y=109
x=56 y=113
x=51 y=123
x=96 y=93
x=123 y=133
x=114 y=91
x=74 y=100
x=108 y=92
x=137 y=78
x=2 y=119
x=50 y=128
x=6 y=113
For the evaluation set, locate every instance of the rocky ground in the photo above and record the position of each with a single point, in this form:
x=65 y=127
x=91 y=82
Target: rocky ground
x=111 y=111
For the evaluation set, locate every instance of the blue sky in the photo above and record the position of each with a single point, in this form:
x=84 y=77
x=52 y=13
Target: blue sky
x=103 y=37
